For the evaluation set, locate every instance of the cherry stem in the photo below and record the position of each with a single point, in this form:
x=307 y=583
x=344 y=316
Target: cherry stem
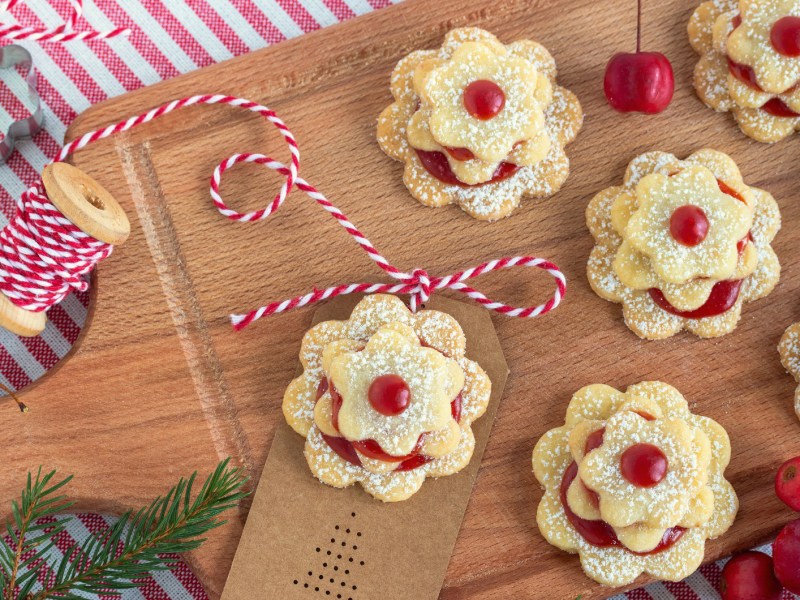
x=638 y=26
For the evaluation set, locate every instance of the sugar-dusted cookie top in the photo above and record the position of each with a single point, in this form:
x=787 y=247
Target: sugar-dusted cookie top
x=634 y=483
x=479 y=123
x=386 y=398
x=683 y=244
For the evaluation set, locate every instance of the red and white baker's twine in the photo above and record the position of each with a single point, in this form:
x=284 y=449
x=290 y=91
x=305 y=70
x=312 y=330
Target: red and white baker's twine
x=62 y=33
x=43 y=255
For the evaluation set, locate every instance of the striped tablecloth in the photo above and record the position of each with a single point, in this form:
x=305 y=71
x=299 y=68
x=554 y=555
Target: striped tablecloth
x=169 y=37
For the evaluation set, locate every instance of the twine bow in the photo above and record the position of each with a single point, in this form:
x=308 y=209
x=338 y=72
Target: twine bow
x=38 y=283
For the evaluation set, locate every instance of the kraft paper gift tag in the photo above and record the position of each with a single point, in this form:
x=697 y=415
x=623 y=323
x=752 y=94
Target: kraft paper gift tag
x=304 y=540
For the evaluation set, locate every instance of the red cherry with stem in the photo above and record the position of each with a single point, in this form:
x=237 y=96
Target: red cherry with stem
x=643 y=465
x=688 y=225
x=787 y=483
x=749 y=576
x=786 y=556
x=389 y=395
x=785 y=36
x=640 y=81
x=484 y=99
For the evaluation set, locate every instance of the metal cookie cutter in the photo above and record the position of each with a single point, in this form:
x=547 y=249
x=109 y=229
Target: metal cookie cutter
x=11 y=57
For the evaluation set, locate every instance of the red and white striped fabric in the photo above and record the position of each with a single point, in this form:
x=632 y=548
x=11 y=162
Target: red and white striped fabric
x=168 y=37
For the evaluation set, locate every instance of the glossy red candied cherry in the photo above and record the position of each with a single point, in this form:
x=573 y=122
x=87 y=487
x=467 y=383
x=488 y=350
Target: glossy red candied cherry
x=785 y=36
x=484 y=99
x=643 y=465
x=786 y=556
x=688 y=225
x=749 y=576
x=787 y=483
x=389 y=395
x=639 y=82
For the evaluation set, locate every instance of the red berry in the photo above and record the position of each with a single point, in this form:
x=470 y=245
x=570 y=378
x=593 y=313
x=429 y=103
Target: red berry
x=389 y=395
x=785 y=36
x=749 y=576
x=644 y=465
x=688 y=225
x=594 y=440
x=484 y=99
x=786 y=555
x=787 y=483
x=640 y=82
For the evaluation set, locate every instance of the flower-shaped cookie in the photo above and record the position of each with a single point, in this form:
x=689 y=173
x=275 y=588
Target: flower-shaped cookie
x=789 y=349
x=479 y=123
x=750 y=63
x=682 y=244
x=386 y=398
x=634 y=483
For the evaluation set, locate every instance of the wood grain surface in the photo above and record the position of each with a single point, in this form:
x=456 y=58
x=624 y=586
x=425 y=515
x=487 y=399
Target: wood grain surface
x=161 y=385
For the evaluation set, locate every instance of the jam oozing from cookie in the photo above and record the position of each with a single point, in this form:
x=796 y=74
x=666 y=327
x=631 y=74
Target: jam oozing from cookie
x=643 y=465
x=778 y=108
x=370 y=448
x=389 y=395
x=785 y=36
x=594 y=440
x=599 y=533
x=484 y=99
x=688 y=225
x=436 y=164
x=461 y=154
x=721 y=299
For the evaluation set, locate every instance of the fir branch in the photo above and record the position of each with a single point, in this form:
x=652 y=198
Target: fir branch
x=110 y=562
x=27 y=534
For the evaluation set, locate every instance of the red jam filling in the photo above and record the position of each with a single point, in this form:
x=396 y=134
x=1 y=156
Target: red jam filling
x=722 y=297
x=643 y=465
x=484 y=99
x=436 y=164
x=785 y=36
x=389 y=395
x=778 y=108
x=347 y=449
x=594 y=440
x=601 y=534
x=461 y=154
x=688 y=225
x=724 y=293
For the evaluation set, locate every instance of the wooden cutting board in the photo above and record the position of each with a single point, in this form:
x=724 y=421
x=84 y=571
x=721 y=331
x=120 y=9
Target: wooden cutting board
x=160 y=385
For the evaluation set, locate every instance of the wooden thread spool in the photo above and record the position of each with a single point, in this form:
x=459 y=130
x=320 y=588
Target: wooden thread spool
x=91 y=208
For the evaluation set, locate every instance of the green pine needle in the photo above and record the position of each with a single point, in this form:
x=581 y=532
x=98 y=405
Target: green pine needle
x=110 y=561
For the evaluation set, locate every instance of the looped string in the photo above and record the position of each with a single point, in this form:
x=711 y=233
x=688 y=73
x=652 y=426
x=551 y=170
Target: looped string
x=62 y=33
x=43 y=255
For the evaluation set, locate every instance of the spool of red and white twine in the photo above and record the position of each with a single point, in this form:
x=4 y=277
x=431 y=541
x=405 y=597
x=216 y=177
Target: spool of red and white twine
x=62 y=33
x=45 y=253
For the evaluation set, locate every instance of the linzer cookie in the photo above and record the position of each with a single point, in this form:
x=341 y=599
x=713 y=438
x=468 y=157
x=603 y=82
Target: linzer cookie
x=386 y=398
x=750 y=63
x=634 y=483
x=789 y=349
x=479 y=123
x=683 y=244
